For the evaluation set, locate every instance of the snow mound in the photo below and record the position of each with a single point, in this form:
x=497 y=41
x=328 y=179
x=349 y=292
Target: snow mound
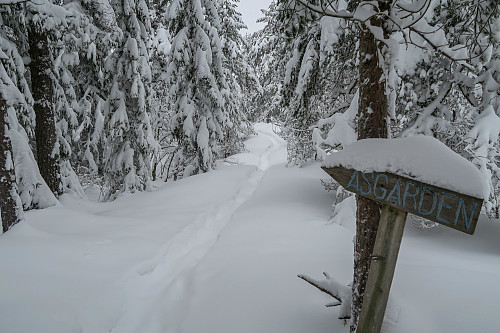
x=421 y=158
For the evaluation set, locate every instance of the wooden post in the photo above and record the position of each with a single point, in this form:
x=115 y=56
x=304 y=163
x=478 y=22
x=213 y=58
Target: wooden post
x=383 y=263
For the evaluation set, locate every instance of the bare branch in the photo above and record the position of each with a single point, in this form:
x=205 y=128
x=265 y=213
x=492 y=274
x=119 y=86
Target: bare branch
x=327 y=11
x=421 y=16
x=469 y=96
x=439 y=48
x=426 y=4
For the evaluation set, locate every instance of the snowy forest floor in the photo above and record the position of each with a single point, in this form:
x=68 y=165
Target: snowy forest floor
x=219 y=253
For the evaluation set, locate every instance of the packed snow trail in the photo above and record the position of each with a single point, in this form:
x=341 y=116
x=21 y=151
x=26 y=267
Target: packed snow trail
x=164 y=281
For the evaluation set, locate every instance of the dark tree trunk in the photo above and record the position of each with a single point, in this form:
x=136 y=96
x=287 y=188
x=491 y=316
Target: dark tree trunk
x=42 y=90
x=10 y=203
x=372 y=123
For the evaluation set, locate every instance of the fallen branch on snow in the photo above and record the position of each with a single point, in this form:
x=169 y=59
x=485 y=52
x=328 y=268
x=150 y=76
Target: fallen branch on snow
x=342 y=294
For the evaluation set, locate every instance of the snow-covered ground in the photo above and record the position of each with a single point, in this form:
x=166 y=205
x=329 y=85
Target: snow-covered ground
x=219 y=253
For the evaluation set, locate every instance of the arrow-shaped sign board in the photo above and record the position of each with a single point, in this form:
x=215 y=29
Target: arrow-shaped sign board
x=455 y=210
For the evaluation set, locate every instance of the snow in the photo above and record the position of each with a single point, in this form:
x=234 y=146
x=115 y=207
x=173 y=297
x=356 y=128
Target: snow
x=202 y=140
x=220 y=252
x=308 y=60
x=482 y=138
x=162 y=39
x=342 y=131
x=422 y=158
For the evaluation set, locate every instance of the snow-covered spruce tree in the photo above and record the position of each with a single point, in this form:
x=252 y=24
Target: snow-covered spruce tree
x=302 y=32
x=55 y=102
x=265 y=49
x=11 y=211
x=94 y=33
x=52 y=51
x=66 y=50
x=32 y=189
x=129 y=137
x=240 y=77
x=196 y=79
x=160 y=111
x=320 y=80
x=338 y=97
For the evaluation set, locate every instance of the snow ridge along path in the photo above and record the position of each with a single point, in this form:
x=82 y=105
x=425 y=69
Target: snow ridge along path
x=163 y=282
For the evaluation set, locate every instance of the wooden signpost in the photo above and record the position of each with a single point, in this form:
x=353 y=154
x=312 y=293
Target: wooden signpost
x=399 y=196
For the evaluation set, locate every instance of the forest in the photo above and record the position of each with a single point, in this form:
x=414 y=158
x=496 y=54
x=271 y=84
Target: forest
x=113 y=96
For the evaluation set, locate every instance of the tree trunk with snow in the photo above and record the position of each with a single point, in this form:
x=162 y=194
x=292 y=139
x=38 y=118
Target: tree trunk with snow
x=10 y=203
x=42 y=91
x=372 y=123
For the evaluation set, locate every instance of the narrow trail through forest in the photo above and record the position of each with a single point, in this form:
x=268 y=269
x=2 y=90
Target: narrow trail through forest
x=165 y=279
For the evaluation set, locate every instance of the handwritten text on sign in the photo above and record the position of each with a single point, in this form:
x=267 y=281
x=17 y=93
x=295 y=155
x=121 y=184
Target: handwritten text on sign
x=455 y=210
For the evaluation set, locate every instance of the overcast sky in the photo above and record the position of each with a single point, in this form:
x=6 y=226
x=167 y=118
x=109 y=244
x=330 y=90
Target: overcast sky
x=250 y=10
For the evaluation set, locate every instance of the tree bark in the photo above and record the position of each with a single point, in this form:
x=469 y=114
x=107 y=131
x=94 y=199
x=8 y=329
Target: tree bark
x=372 y=123
x=43 y=94
x=10 y=203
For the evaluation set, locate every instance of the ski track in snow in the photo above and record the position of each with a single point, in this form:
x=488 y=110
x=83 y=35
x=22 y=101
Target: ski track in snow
x=157 y=291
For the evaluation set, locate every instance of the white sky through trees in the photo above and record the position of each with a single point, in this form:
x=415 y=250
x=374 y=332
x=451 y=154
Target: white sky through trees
x=251 y=11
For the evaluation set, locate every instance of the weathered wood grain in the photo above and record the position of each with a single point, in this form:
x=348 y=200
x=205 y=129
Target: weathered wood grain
x=455 y=210
x=382 y=266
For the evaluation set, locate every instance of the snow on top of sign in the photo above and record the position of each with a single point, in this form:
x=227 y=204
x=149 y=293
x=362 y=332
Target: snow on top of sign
x=421 y=158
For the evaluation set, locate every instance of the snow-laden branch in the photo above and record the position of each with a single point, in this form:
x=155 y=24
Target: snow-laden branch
x=409 y=20
x=422 y=124
x=342 y=294
x=442 y=46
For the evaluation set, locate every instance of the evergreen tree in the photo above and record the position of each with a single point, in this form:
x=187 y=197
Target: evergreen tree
x=302 y=32
x=53 y=52
x=316 y=66
x=95 y=33
x=10 y=203
x=265 y=49
x=32 y=189
x=240 y=77
x=160 y=111
x=197 y=81
x=129 y=136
